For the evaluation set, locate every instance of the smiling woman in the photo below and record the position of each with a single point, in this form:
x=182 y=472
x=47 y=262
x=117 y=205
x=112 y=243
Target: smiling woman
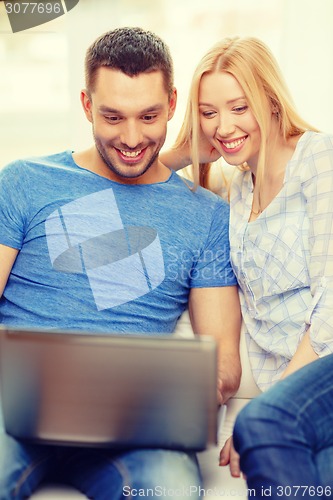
x=226 y=119
x=280 y=203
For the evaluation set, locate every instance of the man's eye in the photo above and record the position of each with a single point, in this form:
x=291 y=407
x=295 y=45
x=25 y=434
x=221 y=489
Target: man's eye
x=149 y=118
x=112 y=118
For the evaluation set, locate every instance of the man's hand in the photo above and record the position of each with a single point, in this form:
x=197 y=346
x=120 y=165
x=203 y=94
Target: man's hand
x=219 y=391
x=228 y=455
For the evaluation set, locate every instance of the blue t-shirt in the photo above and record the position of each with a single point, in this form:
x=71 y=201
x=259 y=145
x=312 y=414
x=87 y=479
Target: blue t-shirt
x=97 y=255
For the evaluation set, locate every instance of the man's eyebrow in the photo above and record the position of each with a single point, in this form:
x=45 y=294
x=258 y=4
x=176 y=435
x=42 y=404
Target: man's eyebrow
x=106 y=109
x=151 y=109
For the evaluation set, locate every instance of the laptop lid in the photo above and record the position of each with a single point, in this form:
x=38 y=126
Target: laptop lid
x=122 y=391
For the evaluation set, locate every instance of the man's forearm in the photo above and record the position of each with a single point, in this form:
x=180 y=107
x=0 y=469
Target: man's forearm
x=229 y=375
x=216 y=312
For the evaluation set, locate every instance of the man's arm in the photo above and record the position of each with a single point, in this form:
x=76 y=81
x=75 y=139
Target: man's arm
x=7 y=259
x=216 y=312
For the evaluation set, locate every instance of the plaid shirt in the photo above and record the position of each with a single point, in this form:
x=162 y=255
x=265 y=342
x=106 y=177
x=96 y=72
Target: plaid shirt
x=284 y=259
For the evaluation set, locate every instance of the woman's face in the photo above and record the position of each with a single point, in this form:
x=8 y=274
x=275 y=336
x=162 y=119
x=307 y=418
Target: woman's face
x=226 y=119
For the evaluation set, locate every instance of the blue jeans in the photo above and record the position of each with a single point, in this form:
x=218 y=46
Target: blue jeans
x=285 y=436
x=98 y=473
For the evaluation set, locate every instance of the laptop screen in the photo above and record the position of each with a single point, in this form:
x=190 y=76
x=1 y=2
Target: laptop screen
x=122 y=391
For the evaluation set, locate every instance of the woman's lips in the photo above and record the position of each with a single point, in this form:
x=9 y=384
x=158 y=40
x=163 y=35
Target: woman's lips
x=234 y=145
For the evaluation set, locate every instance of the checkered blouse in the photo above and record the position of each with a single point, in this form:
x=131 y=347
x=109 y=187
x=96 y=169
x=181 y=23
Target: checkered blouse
x=284 y=259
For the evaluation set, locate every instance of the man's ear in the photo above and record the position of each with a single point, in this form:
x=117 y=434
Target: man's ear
x=86 y=104
x=172 y=103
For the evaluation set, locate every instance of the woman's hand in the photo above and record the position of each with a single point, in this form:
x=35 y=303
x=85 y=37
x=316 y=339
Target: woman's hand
x=176 y=158
x=207 y=152
x=179 y=157
x=229 y=455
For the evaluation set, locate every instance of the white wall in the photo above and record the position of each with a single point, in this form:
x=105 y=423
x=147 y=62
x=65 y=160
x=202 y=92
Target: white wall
x=42 y=68
x=306 y=56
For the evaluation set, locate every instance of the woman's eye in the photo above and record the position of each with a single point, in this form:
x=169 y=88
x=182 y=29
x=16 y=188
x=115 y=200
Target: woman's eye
x=208 y=114
x=240 y=109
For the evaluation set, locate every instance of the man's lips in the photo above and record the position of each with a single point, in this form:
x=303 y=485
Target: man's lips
x=131 y=156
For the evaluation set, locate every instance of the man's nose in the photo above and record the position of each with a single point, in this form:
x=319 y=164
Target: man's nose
x=131 y=135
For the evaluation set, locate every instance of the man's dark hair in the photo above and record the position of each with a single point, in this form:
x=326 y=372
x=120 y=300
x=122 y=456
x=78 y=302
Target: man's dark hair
x=132 y=51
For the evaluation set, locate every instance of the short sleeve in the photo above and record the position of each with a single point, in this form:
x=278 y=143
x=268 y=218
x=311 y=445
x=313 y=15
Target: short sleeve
x=213 y=268
x=12 y=206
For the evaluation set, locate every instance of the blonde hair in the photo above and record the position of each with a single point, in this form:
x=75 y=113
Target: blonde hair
x=253 y=65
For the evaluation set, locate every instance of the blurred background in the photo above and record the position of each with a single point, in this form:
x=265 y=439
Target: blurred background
x=42 y=68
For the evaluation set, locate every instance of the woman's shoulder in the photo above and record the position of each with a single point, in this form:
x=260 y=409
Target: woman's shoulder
x=313 y=156
x=312 y=142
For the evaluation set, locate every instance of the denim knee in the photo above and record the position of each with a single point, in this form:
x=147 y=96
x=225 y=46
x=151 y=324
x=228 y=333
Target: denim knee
x=22 y=466
x=242 y=428
x=162 y=468
x=259 y=424
x=134 y=473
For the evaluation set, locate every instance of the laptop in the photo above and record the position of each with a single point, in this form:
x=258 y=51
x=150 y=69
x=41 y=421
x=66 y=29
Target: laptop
x=112 y=390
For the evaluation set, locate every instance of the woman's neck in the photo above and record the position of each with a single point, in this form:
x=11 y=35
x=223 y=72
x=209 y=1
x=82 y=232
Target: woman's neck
x=279 y=153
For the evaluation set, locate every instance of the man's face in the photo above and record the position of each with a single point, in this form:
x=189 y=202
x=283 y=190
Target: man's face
x=129 y=117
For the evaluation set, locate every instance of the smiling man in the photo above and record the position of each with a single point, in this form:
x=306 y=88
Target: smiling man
x=129 y=116
x=110 y=240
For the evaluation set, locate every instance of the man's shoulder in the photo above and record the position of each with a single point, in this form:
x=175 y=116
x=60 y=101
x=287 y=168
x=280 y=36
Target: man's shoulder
x=35 y=161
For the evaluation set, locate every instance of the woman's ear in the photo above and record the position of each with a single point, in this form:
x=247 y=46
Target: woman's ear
x=275 y=108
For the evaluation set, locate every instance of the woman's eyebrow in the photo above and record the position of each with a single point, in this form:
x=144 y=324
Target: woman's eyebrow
x=228 y=102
